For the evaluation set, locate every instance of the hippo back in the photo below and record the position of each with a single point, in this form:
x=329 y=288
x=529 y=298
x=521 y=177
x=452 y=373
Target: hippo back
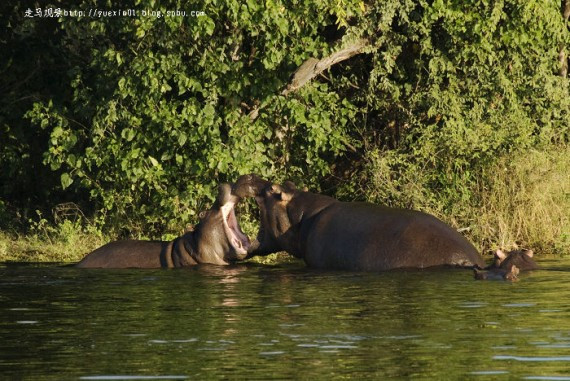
x=363 y=236
x=128 y=254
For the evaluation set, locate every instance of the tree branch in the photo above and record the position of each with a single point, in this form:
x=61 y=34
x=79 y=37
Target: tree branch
x=562 y=56
x=313 y=67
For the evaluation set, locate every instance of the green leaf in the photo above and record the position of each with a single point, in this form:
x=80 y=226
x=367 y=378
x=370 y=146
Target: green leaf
x=153 y=161
x=128 y=134
x=182 y=139
x=66 y=180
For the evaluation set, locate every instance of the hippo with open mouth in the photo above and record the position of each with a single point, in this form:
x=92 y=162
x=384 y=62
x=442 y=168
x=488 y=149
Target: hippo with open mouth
x=358 y=236
x=217 y=239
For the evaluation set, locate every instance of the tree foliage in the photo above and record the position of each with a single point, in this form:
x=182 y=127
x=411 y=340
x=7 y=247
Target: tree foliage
x=143 y=116
x=458 y=85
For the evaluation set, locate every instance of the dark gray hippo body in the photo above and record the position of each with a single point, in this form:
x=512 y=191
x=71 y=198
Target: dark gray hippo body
x=506 y=266
x=217 y=239
x=330 y=234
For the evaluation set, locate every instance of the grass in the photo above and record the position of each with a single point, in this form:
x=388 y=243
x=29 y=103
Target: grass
x=521 y=200
x=524 y=201
x=65 y=242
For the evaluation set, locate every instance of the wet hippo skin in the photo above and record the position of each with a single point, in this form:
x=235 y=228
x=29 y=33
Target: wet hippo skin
x=217 y=239
x=497 y=273
x=523 y=259
x=359 y=236
x=507 y=266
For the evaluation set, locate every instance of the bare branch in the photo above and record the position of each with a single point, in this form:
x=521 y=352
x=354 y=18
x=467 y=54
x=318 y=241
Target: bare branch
x=562 y=55
x=313 y=67
x=563 y=62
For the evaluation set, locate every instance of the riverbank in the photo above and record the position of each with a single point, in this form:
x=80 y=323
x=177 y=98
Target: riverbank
x=68 y=243
x=62 y=243
x=521 y=200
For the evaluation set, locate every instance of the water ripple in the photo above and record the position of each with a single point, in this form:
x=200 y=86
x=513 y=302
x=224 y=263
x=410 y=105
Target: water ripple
x=473 y=305
x=511 y=305
x=531 y=358
x=557 y=345
x=121 y=377
x=274 y=353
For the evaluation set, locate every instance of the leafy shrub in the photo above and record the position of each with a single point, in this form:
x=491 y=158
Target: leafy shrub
x=149 y=114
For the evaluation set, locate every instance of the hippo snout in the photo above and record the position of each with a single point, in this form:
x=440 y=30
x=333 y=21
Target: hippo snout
x=249 y=186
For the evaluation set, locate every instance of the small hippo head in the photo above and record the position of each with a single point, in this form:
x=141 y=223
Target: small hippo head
x=522 y=259
x=218 y=236
x=497 y=273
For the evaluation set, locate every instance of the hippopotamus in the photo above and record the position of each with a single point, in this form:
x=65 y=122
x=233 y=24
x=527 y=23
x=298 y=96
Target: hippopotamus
x=217 y=239
x=523 y=259
x=506 y=266
x=357 y=236
x=497 y=273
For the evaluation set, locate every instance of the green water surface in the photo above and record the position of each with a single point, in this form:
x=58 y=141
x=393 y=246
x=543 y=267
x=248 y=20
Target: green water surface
x=281 y=322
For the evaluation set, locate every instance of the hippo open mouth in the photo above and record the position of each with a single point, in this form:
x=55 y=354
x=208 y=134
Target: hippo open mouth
x=239 y=241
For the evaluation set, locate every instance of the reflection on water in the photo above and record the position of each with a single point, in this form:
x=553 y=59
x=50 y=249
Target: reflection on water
x=286 y=322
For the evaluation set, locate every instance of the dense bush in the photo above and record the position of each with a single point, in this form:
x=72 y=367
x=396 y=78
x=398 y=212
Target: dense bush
x=141 y=117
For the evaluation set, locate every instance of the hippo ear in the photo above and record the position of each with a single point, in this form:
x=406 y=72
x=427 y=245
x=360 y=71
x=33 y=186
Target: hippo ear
x=500 y=255
x=280 y=193
x=529 y=252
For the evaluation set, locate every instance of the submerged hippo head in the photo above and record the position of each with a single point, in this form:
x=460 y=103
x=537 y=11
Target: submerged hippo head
x=218 y=236
x=523 y=259
x=507 y=266
x=497 y=273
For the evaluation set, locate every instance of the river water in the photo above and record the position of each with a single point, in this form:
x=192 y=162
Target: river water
x=281 y=322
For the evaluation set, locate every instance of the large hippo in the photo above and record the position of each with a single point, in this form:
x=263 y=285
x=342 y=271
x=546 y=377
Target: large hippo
x=330 y=234
x=217 y=239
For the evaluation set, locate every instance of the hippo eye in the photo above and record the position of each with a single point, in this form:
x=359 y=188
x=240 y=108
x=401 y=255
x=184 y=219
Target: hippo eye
x=202 y=214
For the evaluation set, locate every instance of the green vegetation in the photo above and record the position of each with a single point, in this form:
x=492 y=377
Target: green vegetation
x=137 y=119
x=522 y=199
x=65 y=242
